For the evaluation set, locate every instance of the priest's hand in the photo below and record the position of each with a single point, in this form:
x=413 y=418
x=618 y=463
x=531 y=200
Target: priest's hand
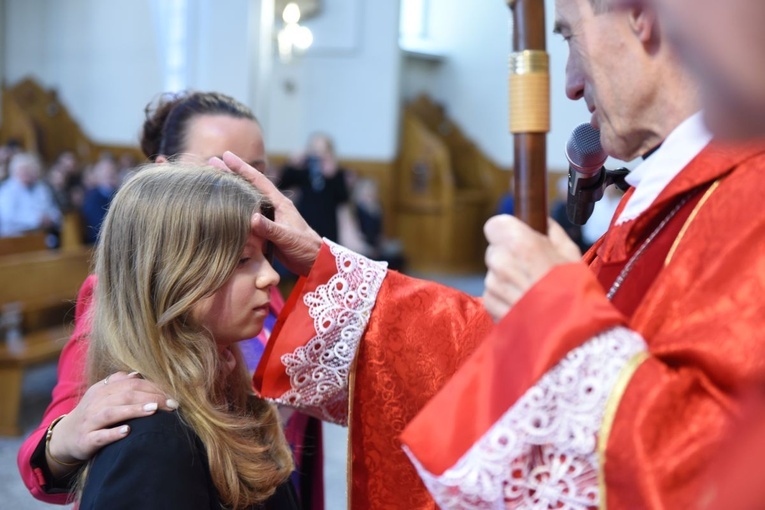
x=518 y=257
x=296 y=244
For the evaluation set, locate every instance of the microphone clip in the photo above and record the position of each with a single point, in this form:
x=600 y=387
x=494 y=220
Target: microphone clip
x=616 y=177
x=581 y=203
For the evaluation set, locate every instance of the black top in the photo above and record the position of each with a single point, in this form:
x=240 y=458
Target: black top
x=94 y=208
x=161 y=464
x=319 y=197
x=370 y=224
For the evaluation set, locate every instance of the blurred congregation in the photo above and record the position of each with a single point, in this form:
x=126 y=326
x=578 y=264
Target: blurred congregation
x=70 y=198
x=37 y=198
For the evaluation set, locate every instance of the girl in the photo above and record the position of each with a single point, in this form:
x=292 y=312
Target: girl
x=180 y=281
x=187 y=127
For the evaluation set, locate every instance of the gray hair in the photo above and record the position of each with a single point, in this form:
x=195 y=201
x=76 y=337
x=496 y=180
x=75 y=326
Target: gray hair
x=23 y=160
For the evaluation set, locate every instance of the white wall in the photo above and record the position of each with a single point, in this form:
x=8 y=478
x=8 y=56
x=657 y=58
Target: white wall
x=104 y=58
x=100 y=57
x=221 y=52
x=472 y=80
x=347 y=84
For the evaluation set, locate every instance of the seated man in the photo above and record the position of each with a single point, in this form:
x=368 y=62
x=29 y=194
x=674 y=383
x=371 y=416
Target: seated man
x=26 y=202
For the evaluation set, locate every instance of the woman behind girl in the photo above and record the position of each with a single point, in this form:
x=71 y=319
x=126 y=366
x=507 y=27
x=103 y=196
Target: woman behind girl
x=180 y=281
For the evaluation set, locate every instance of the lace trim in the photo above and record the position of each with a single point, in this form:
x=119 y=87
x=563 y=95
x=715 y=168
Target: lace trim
x=542 y=453
x=340 y=310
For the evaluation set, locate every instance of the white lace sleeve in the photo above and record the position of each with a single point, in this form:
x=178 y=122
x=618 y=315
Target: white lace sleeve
x=340 y=310
x=542 y=453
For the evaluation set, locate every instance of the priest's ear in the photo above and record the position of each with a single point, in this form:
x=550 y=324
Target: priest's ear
x=645 y=26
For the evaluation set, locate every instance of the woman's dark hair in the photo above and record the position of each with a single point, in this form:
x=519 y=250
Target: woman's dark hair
x=167 y=119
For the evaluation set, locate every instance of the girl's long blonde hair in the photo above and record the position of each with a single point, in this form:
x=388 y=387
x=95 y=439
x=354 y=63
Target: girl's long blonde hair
x=174 y=235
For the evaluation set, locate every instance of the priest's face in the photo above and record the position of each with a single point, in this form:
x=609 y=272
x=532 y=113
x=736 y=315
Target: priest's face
x=605 y=68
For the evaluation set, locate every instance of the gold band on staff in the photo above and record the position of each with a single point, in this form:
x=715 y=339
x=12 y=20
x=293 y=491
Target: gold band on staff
x=529 y=92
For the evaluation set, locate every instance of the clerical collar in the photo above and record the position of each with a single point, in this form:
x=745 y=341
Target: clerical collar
x=651 y=176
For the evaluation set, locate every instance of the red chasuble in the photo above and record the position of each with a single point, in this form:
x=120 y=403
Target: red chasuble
x=576 y=401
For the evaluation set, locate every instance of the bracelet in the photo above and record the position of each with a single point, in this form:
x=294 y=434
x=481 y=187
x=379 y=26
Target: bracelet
x=48 y=435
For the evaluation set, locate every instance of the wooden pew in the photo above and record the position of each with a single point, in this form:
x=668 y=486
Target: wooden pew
x=30 y=242
x=43 y=286
x=71 y=238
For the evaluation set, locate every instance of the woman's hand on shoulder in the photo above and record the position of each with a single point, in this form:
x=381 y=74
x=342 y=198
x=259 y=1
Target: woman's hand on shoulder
x=94 y=422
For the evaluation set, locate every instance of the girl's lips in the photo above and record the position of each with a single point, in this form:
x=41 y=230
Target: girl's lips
x=264 y=307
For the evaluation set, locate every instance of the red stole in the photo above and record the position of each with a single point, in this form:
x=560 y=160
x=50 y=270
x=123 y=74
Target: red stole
x=646 y=264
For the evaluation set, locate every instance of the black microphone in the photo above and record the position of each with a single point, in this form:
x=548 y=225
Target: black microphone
x=586 y=173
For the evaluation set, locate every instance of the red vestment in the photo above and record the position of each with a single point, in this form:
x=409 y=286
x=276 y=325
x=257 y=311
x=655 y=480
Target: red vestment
x=562 y=403
x=570 y=402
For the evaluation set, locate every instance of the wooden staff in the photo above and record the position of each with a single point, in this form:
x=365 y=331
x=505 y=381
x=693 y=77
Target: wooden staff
x=530 y=110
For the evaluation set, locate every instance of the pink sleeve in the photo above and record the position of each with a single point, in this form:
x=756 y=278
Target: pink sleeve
x=67 y=392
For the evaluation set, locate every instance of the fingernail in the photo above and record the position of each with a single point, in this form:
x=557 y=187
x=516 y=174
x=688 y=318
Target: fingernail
x=172 y=403
x=124 y=429
x=150 y=407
